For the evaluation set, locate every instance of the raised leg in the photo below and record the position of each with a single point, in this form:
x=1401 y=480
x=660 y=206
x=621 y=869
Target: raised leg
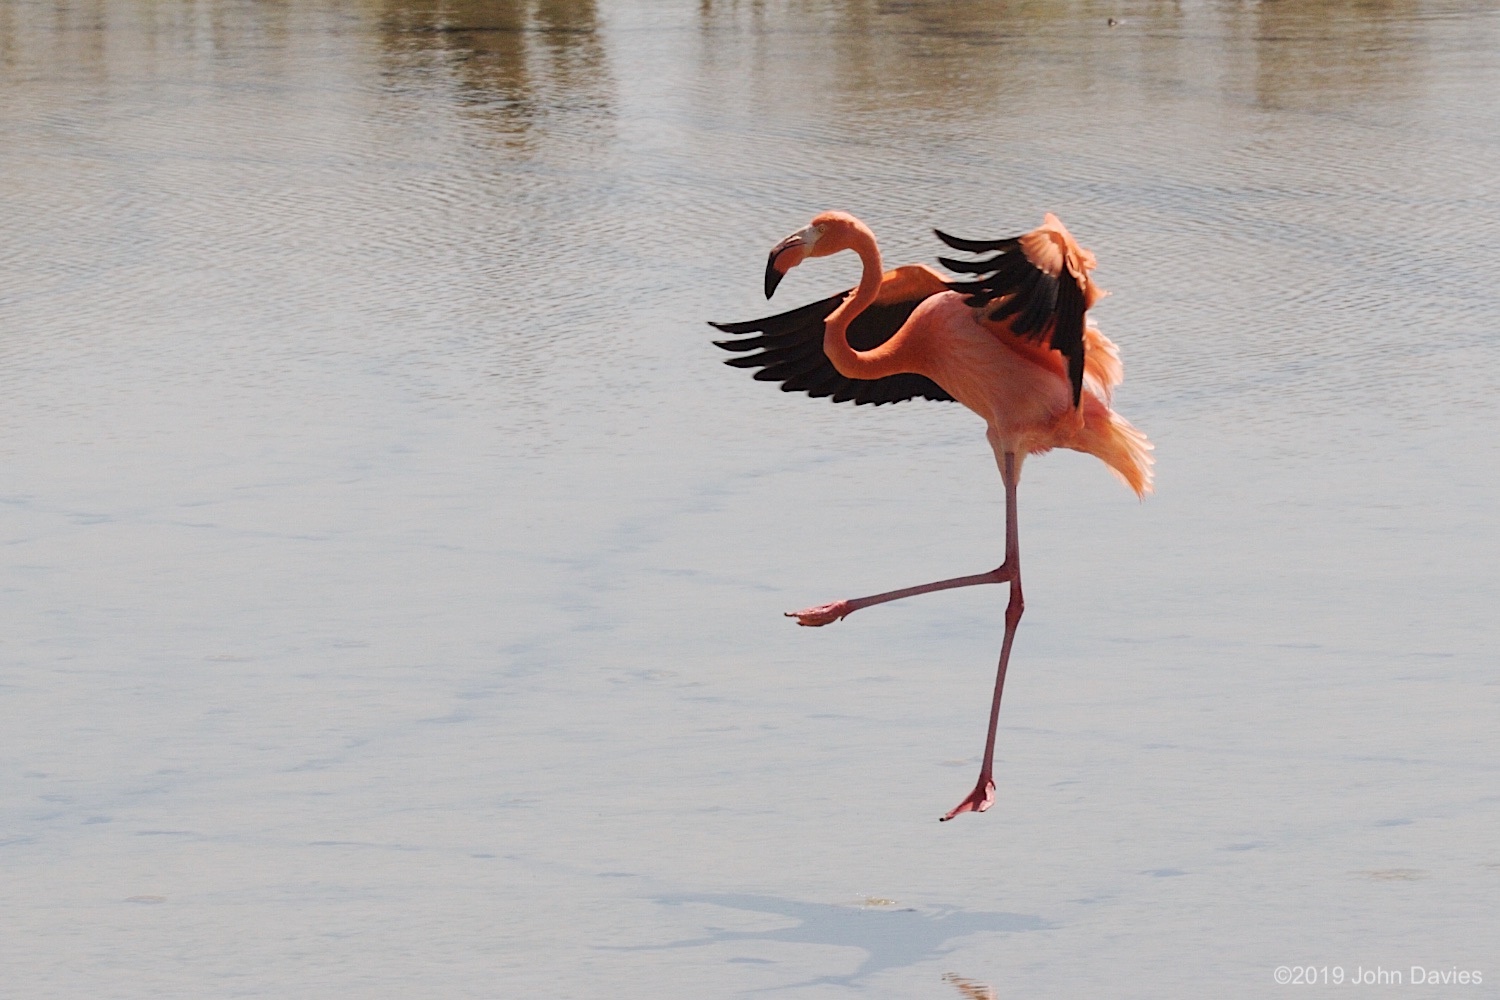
x=983 y=795
x=825 y=614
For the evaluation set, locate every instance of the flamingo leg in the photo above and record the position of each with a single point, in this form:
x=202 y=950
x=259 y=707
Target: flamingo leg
x=825 y=614
x=983 y=795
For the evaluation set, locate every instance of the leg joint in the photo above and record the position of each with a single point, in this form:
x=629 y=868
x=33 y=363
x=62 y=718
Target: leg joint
x=1015 y=608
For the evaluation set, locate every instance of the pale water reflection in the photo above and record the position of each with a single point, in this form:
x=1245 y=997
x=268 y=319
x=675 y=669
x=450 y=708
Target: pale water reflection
x=529 y=68
x=393 y=574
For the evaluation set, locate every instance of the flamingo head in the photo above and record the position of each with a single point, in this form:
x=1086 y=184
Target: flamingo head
x=826 y=234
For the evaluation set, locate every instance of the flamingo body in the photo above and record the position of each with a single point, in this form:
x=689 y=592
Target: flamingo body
x=1022 y=397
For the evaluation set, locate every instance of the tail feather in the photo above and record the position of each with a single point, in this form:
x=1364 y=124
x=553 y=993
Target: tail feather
x=1115 y=441
x=1102 y=369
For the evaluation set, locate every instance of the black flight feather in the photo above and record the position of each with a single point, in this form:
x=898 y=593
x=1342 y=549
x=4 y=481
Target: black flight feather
x=790 y=347
x=1036 y=305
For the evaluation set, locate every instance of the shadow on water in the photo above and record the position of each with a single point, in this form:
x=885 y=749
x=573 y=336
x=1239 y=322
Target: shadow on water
x=890 y=938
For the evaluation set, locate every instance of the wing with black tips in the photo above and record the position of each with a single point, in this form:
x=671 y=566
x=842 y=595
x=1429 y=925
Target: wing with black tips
x=1041 y=302
x=790 y=348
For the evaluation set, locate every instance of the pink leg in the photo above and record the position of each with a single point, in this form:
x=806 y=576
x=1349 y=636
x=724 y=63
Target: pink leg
x=825 y=614
x=983 y=795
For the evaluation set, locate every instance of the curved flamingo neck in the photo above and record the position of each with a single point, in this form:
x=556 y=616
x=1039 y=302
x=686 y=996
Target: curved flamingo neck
x=846 y=360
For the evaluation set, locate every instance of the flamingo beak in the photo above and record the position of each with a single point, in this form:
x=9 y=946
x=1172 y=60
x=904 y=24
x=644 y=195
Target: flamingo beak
x=786 y=255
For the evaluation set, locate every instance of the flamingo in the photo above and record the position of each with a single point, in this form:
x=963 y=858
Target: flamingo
x=1012 y=344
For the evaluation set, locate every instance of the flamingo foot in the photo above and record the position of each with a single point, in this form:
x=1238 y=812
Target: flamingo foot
x=823 y=614
x=980 y=799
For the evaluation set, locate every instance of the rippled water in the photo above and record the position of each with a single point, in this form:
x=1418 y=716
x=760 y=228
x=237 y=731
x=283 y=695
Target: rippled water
x=392 y=572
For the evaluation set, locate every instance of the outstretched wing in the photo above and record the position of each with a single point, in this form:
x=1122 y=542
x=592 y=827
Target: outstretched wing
x=790 y=345
x=1038 y=284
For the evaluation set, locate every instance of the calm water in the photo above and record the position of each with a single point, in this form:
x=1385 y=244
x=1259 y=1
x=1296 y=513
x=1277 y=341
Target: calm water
x=392 y=573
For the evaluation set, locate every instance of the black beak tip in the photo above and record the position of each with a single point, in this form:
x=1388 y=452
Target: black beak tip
x=773 y=276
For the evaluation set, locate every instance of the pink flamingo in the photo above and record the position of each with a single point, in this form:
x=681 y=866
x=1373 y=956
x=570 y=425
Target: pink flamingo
x=1012 y=345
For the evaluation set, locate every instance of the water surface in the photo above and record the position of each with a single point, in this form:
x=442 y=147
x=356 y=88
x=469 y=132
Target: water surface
x=393 y=574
